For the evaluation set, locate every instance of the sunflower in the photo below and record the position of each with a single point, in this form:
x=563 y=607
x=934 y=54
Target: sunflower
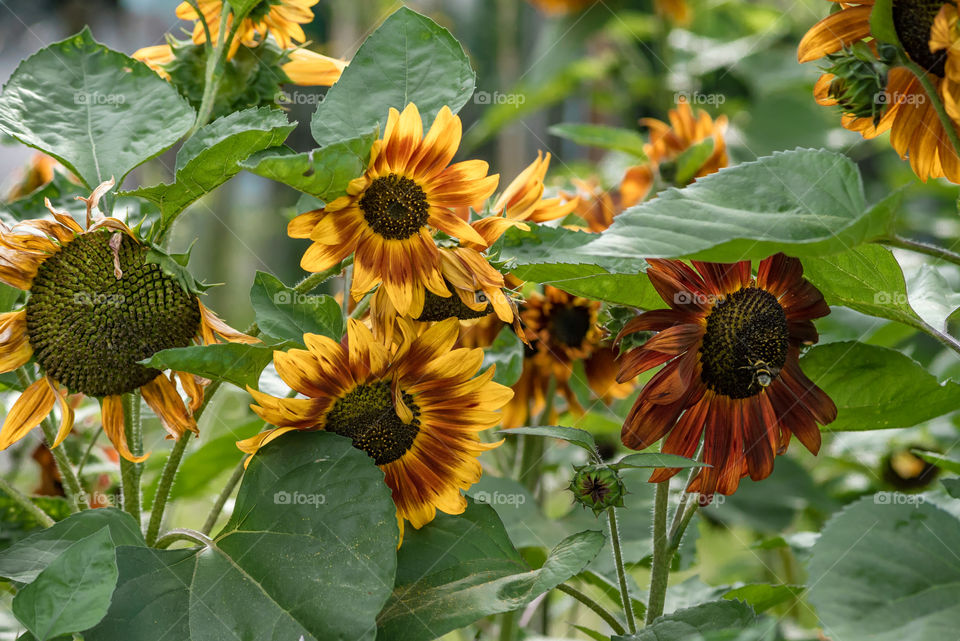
x=597 y=206
x=899 y=104
x=388 y=212
x=96 y=308
x=560 y=7
x=415 y=408
x=731 y=344
x=304 y=67
x=667 y=142
x=560 y=330
x=37 y=174
x=281 y=18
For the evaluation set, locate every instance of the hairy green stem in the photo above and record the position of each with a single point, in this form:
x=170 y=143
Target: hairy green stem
x=660 y=569
x=598 y=609
x=166 y=484
x=621 y=571
x=211 y=80
x=508 y=626
x=130 y=472
x=184 y=534
x=24 y=501
x=921 y=248
x=680 y=526
x=222 y=498
x=88 y=451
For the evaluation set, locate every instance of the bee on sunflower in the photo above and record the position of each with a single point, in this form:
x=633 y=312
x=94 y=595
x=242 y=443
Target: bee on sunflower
x=415 y=407
x=730 y=346
x=877 y=93
x=96 y=307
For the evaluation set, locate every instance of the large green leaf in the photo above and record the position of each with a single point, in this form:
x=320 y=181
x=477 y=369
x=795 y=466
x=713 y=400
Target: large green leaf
x=459 y=569
x=26 y=559
x=867 y=279
x=581 y=438
x=98 y=111
x=73 y=592
x=213 y=155
x=309 y=552
x=409 y=58
x=886 y=569
x=321 y=173
x=690 y=624
x=230 y=362
x=287 y=314
x=876 y=387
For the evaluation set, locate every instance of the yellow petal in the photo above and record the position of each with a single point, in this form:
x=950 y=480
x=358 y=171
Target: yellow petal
x=30 y=409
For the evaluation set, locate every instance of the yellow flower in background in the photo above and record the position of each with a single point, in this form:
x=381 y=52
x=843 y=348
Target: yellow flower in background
x=96 y=308
x=927 y=31
x=281 y=18
x=667 y=141
x=389 y=213
x=415 y=408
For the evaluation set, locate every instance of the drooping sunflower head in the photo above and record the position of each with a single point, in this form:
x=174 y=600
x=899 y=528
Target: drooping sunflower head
x=390 y=213
x=280 y=18
x=96 y=306
x=415 y=408
x=730 y=344
x=561 y=325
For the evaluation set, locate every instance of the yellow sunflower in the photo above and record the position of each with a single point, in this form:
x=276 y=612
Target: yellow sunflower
x=669 y=140
x=388 y=214
x=927 y=31
x=281 y=18
x=96 y=308
x=415 y=408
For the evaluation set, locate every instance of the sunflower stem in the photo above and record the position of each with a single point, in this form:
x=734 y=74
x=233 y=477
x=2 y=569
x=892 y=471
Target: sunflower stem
x=211 y=81
x=184 y=534
x=129 y=471
x=621 y=571
x=660 y=569
x=347 y=281
x=678 y=528
x=508 y=625
x=934 y=97
x=88 y=451
x=222 y=499
x=165 y=485
x=598 y=609
x=921 y=248
x=24 y=501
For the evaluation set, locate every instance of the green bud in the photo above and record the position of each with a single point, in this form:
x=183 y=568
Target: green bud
x=597 y=487
x=860 y=81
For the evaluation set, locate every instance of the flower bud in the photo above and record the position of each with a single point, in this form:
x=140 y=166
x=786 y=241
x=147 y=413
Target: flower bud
x=597 y=487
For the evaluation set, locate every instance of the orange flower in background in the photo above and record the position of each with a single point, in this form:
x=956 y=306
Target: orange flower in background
x=560 y=7
x=388 y=216
x=667 y=142
x=90 y=291
x=730 y=344
x=597 y=206
x=927 y=31
x=415 y=408
x=280 y=18
x=37 y=174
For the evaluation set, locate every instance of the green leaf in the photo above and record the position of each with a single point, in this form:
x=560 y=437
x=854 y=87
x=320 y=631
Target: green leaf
x=310 y=552
x=73 y=592
x=8 y=297
x=943 y=462
x=652 y=459
x=321 y=173
x=98 y=111
x=931 y=296
x=952 y=486
x=213 y=155
x=573 y=435
x=18 y=523
x=876 y=387
x=763 y=596
x=691 y=623
x=885 y=569
x=175 y=266
x=410 y=58
x=234 y=363
x=243 y=7
x=286 y=314
x=25 y=560
x=602 y=136
x=61 y=192
x=882 y=26
x=506 y=353
x=459 y=569
x=690 y=160
x=867 y=279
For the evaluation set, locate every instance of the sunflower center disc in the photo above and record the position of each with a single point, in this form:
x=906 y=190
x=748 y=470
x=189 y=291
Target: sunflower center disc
x=745 y=343
x=438 y=308
x=367 y=416
x=395 y=207
x=913 y=20
x=88 y=329
x=569 y=325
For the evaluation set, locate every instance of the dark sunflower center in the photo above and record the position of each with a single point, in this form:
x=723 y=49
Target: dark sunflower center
x=438 y=308
x=913 y=20
x=367 y=416
x=395 y=207
x=569 y=325
x=745 y=344
x=88 y=328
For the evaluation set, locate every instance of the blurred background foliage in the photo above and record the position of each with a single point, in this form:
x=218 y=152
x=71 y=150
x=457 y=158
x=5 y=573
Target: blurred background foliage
x=611 y=62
